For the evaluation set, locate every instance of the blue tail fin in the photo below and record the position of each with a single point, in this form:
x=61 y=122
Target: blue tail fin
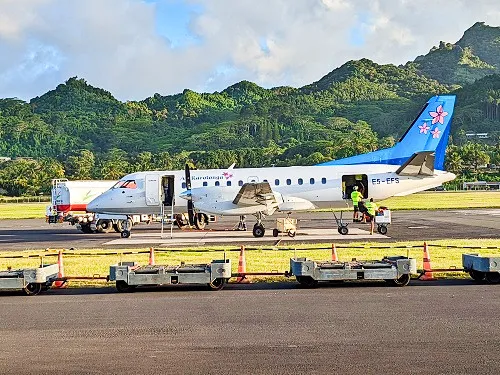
x=429 y=132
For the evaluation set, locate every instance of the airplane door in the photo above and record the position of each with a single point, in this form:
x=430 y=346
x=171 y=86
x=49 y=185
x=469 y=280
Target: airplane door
x=152 y=186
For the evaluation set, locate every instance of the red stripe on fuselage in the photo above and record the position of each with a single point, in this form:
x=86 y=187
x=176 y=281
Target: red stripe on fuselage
x=71 y=207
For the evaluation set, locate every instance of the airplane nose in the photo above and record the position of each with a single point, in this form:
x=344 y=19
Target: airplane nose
x=93 y=205
x=186 y=195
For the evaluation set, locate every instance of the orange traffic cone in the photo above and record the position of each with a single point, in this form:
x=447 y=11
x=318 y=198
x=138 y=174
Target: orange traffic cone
x=428 y=275
x=334 y=253
x=60 y=273
x=242 y=267
x=151 y=256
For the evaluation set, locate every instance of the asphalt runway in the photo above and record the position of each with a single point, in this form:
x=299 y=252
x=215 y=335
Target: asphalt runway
x=450 y=327
x=406 y=225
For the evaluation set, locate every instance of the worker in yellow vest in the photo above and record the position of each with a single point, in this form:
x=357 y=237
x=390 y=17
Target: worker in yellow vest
x=356 y=196
x=372 y=209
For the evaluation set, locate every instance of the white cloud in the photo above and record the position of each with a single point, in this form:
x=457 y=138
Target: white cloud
x=114 y=43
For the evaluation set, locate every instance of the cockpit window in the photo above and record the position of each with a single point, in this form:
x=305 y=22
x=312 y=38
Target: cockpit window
x=129 y=184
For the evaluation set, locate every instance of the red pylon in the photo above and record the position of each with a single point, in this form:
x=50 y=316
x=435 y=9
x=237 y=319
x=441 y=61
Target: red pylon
x=60 y=273
x=428 y=275
x=334 y=253
x=151 y=256
x=242 y=267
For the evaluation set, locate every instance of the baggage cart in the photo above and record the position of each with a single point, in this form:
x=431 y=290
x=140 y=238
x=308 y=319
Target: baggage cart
x=482 y=267
x=31 y=280
x=396 y=269
x=129 y=275
x=285 y=225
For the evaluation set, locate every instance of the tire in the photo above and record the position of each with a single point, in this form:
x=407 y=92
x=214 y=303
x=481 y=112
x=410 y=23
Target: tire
x=217 y=284
x=33 y=289
x=258 y=230
x=104 y=226
x=291 y=233
x=125 y=234
x=200 y=221
x=493 y=277
x=477 y=275
x=343 y=230
x=276 y=232
x=307 y=281
x=123 y=287
x=402 y=281
x=382 y=229
x=116 y=228
x=86 y=228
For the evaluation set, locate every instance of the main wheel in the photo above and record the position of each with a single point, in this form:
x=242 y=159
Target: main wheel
x=493 y=277
x=343 y=230
x=200 y=221
x=307 y=281
x=477 y=275
x=123 y=287
x=86 y=228
x=33 y=289
x=258 y=230
x=382 y=229
x=403 y=280
x=125 y=234
x=217 y=284
x=104 y=226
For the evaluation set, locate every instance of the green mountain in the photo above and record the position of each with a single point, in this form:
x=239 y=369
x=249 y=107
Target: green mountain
x=474 y=56
x=358 y=107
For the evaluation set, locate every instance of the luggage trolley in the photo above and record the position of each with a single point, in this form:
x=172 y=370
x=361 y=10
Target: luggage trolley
x=382 y=219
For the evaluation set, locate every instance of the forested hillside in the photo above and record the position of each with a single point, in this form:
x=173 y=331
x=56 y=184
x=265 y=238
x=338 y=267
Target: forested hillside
x=80 y=131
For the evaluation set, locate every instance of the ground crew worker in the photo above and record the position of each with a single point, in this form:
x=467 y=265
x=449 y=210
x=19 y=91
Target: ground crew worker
x=356 y=196
x=372 y=208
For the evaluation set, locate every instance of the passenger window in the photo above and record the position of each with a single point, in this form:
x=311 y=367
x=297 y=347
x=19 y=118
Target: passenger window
x=288 y=181
x=276 y=182
x=228 y=183
x=217 y=183
x=311 y=181
x=183 y=185
x=264 y=180
x=205 y=183
x=300 y=181
x=240 y=183
x=323 y=180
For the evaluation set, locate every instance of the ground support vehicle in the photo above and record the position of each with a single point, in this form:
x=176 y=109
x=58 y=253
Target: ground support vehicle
x=31 y=280
x=285 y=225
x=396 y=270
x=129 y=275
x=382 y=220
x=482 y=268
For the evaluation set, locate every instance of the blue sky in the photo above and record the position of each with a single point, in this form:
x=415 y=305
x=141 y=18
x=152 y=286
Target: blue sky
x=135 y=48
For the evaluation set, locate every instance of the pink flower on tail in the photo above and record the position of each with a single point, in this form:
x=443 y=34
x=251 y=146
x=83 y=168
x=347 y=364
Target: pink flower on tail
x=424 y=128
x=438 y=116
x=435 y=133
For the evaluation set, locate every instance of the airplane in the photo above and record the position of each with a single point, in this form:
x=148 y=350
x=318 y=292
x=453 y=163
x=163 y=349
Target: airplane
x=415 y=163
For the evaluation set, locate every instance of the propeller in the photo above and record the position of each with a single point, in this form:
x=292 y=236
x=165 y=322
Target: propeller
x=190 y=205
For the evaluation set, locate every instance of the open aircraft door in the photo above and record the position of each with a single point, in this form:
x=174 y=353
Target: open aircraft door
x=152 y=187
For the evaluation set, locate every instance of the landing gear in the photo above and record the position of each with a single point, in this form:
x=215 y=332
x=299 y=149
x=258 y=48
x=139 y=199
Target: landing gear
x=258 y=228
x=200 y=220
x=242 y=225
x=124 y=226
x=104 y=226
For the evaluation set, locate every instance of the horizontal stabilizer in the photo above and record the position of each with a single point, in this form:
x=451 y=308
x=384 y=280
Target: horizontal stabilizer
x=419 y=164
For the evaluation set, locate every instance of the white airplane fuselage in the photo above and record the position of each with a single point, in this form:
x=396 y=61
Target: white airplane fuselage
x=297 y=188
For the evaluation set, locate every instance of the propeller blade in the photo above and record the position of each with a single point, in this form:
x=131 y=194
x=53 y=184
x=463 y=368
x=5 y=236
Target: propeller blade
x=187 y=173
x=190 y=212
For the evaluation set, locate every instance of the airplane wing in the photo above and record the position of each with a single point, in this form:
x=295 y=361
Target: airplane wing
x=253 y=193
x=419 y=164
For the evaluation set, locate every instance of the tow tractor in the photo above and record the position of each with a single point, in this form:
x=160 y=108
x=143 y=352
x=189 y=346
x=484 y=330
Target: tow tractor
x=129 y=275
x=396 y=270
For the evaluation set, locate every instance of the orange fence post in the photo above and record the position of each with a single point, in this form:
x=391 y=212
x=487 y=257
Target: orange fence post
x=242 y=267
x=334 y=253
x=151 y=256
x=60 y=273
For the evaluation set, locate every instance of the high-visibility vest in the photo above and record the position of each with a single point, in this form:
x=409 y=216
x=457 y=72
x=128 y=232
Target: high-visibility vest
x=371 y=207
x=356 y=196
